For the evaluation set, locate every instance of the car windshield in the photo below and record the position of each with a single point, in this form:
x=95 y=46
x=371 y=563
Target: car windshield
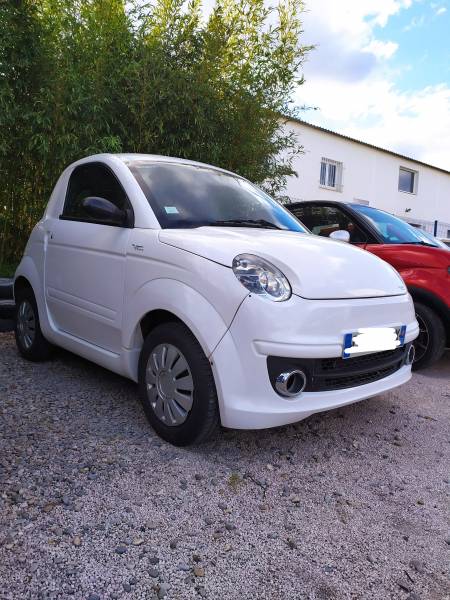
x=392 y=229
x=186 y=196
x=434 y=240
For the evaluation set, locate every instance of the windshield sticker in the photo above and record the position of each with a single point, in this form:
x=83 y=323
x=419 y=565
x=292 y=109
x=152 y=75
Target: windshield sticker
x=171 y=210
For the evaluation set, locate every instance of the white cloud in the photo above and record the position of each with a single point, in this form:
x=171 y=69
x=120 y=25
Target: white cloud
x=415 y=22
x=381 y=49
x=441 y=10
x=350 y=80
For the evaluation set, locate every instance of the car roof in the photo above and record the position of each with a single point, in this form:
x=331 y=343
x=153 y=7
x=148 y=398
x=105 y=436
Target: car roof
x=129 y=158
x=337 y=202
x=353 y=205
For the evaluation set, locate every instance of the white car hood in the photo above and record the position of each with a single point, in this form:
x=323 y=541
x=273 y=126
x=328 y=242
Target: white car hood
x=317 y=268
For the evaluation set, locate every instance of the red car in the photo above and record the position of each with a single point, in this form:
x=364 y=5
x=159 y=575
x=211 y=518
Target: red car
x=423 y=263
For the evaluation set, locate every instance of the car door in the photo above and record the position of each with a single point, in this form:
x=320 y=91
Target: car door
x=324 y=219
x=85 y=261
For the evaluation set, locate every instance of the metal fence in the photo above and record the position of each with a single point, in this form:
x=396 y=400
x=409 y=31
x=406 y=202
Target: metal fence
x=439 y=229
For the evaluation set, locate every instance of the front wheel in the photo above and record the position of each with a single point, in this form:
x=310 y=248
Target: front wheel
x=430 y=343
x=30 y=341
x=177 y=386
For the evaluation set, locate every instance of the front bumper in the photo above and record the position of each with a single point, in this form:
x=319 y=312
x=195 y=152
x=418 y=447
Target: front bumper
x=297 y=328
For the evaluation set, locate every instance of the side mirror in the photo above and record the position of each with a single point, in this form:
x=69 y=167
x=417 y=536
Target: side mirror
x=104 y=210
x=341 y=235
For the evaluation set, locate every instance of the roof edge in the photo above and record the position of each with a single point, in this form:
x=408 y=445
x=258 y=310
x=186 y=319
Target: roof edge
x=367 y=144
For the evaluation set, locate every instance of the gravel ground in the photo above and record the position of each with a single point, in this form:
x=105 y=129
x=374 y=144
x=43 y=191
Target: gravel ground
x=352 y=503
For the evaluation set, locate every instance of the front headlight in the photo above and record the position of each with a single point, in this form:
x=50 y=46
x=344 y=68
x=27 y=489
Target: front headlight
x=260 y=277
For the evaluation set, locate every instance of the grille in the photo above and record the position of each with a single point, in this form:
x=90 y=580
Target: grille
x=329 y=364
x=326 y=374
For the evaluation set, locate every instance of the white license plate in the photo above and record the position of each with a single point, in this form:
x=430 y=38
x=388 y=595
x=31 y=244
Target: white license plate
x=373 y=339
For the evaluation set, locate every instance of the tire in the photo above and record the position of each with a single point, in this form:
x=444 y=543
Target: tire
x=165 y=379
x=430 y=344
x=30 y=340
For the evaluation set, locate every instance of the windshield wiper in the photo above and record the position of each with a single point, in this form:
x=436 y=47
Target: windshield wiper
x=420 y=243
x=261 y=223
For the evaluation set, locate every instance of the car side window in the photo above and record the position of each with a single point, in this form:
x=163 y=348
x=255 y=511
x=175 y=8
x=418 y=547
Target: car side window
x=92 y=179
x=323 y=220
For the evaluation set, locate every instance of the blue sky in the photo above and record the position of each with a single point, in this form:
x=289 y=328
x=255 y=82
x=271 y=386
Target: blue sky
x=381 y=73
x=423 y=36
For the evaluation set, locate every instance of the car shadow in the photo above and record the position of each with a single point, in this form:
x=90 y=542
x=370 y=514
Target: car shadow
x=440 y=370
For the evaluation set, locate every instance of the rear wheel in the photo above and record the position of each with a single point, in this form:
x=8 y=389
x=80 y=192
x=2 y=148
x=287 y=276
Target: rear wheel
x=177 y=386
x=29 y=338
x=430 y=343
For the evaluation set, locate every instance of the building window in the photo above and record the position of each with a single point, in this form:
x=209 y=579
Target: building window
x=331 y=174
x=407 y=181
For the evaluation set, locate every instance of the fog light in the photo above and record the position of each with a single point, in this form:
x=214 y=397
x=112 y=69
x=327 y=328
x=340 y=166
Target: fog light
x=291 y=383
x=411 y=355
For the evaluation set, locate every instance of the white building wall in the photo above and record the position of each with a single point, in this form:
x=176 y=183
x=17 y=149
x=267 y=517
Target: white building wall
x=369 y=175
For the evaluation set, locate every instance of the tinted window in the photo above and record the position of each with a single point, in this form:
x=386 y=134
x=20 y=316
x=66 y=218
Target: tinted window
x=189 y=196
x=323 y=220
x=392 y=229
x=433 y=240
x=92 y=180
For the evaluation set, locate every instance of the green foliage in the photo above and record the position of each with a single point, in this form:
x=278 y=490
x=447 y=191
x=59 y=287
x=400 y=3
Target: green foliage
x=79 y=77
x=7 y=270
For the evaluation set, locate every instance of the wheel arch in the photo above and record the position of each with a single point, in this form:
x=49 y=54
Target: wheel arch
x=157 y=317
x=21 y=283
x=28 y=273
x=166 y=300
x=432 y=301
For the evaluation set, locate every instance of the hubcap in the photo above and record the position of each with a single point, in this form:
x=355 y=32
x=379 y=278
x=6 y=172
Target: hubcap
x=422 y=340
x=170 y=387
x=26 y=324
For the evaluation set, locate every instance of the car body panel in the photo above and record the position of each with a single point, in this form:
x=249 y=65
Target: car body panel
x=84 y=269
x=419 y=266
x=302 y=329
x=352 y=273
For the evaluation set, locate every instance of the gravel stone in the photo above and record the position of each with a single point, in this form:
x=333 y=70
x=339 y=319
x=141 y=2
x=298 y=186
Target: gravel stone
x=404 y=585
x=74 y=441
x=417 y=565
x=162 y=591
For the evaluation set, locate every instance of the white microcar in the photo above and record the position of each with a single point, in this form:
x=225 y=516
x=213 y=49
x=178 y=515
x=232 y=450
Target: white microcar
x=194 y=283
